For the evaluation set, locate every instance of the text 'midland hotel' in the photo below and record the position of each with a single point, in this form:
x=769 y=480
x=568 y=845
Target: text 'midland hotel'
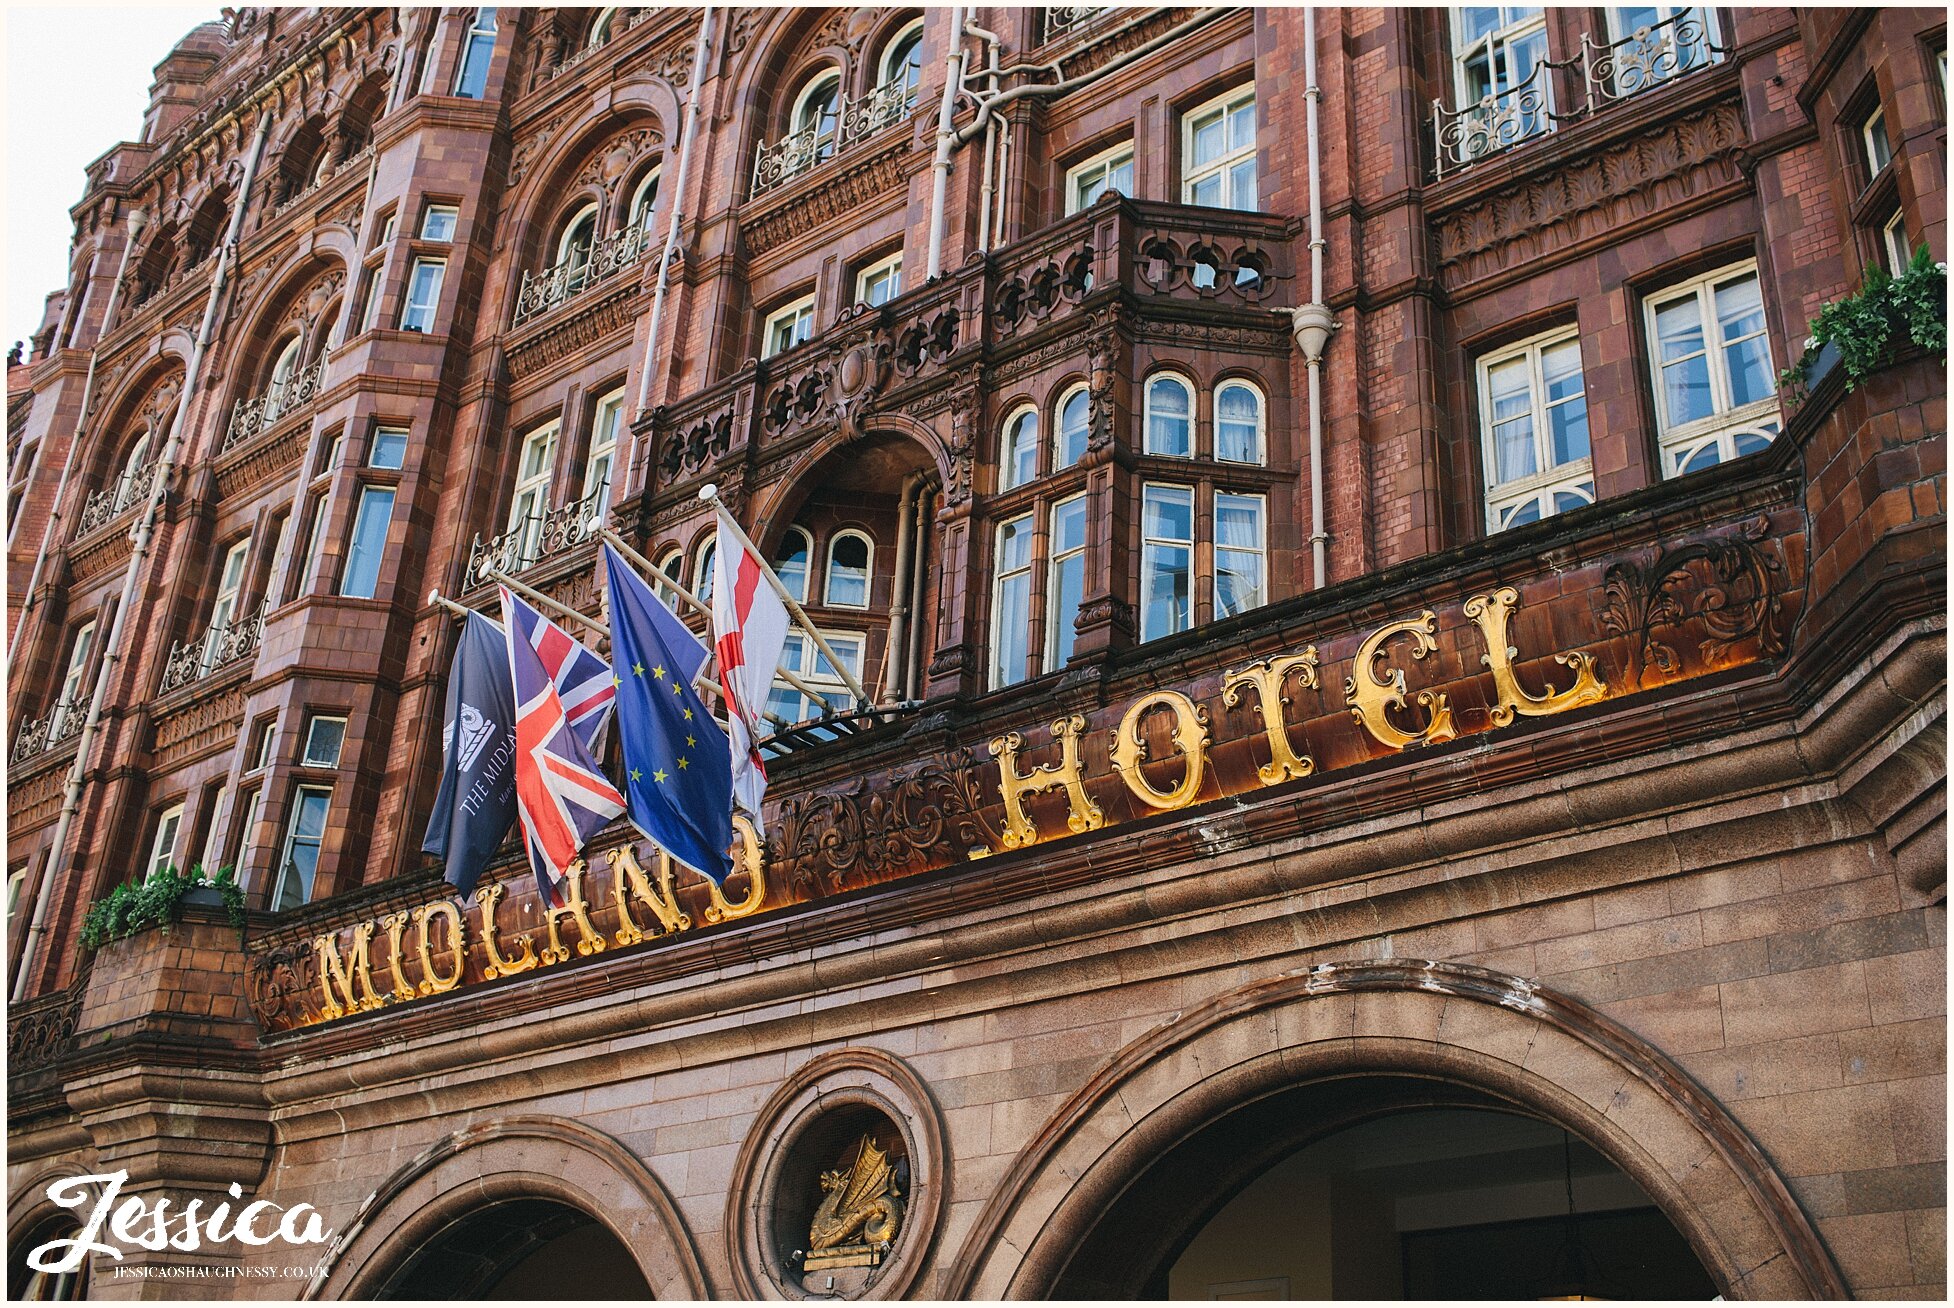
x=1400 y=741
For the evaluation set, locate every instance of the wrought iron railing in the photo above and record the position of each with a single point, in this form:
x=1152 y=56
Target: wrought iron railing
x=59 y=725
x=41 y=1030
x=855 y=121
x=1609 y=71
x=539 y=536
x=130 y=489
x=543 y=291
x=223 y=644
x=249 y=417
x=1060 y=19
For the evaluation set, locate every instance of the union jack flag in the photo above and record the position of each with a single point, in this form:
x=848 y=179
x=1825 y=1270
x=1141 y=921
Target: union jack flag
x=562 y=797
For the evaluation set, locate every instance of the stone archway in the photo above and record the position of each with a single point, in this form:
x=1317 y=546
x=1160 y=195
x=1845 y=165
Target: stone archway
x=1464 y=1025
x=514 y=1160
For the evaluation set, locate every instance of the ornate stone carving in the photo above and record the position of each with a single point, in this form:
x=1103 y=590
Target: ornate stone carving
x=840 y=839
x=41 y=1031
x=1723 y=585
x=845 y=183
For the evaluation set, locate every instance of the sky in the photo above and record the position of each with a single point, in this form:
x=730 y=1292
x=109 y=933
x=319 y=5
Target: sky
x=77 y=82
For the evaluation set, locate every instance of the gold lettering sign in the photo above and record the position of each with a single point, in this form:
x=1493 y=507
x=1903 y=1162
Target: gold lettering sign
x=335 y=971
x=1081 y=815
x=395 y=924
x=1190 y=737
x=1491 y=613
x=589 y=939
x=628 y=875
x=1268 y=677
x=432 y=982
x=756 y=880
x=486 y=898
x=1369 y=694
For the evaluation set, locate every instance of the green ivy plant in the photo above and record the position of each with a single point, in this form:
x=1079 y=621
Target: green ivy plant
x=1870 y=326
x=155 y=901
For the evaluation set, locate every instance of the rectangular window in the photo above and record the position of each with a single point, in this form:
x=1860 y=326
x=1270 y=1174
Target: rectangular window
x=802 y=657
x=1218 y=153
x=250 y=805
x=16 y=882
x=1879 y=150
x=389 y=450
x=478 y=47
x=388 y=228
x=69 y=703
x=267 y=729
x=299 y=863
x=788 y=327
x=162 y=850
x=1497 y=49
x=230 y=585
x=1065 y=587
x=1716 y=393
x=1689 y=41
x=531 y=500
x=1011 y=603
x=370 y=520
x=1241 y=570
x=880 y=283
x=307 y=563
x=1893 y=240
x=1110 y=171
x=438 y=222
x=324 y=735
x=1166 y=560
x=603 y=453
x=1533 y=423
x=423 y=294
x=370 y=297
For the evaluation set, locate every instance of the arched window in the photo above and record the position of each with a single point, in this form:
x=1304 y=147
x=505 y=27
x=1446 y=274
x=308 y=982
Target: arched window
x=644 y=200
x=1170 y=416
x=672 y=564
x=702 y=574
x=815 y=110
x=1238 y=423
x=280 y=381
x=790 y=561
x=132 y=467
x=1074 y=412
x=601 y=30
x=579 y=234
x=1017 y=460
x=849 y=553
x=902 y=59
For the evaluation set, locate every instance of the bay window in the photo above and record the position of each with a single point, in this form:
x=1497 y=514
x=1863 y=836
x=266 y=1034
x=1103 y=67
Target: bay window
x=1066 y=585
x=1011 y=602
x=1166 y=560
x=1218 y=152
x=1716 y=392
x=298 y=866
x=1241 y=567
x=1533 y=423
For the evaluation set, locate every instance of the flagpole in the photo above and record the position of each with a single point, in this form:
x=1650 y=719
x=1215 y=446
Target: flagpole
x=710 y=494
x=785 y=674
x=538 y=597
x=461 y=611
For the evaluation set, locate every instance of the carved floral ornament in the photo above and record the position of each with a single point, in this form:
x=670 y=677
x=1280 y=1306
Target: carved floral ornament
x=1592 y=632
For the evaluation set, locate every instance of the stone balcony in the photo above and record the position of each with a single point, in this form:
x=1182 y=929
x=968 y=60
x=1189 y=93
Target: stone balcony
x=53 y=729
x=260 y=413
x=545 y=289
x=106 y=505
x=856 y=121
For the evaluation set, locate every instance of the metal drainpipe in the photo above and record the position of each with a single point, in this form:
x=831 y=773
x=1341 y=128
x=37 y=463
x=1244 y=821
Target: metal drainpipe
x=990 y=136
x=137 y=221
x=672 y=227
x=1313 y=322
x=111 y=647
x=912 y=675
x=946 y=139
x=899 y=591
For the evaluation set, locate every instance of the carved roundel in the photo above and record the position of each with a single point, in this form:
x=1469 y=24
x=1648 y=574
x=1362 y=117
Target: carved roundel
x=839 y=1186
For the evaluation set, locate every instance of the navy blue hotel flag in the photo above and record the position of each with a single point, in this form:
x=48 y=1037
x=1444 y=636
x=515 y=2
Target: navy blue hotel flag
x=476 y=804
x=678 y=771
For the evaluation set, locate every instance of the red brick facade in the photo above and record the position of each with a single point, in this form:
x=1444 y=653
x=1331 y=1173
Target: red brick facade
x=1723 y=872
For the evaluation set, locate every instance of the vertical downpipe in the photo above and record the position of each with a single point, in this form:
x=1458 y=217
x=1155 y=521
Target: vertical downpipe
x=1313 y=322
x=946 y=140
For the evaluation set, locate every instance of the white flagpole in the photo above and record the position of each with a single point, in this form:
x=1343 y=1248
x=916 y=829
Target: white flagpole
x=541 y=600
x=710 y=494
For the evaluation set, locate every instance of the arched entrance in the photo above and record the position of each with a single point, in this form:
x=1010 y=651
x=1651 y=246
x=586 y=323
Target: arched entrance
x=1486 y=1040
x=26 y=1285
x=520 y=1249
x=1383 y=1187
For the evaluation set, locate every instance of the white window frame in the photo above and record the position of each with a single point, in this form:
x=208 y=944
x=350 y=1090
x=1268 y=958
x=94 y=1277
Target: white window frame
x=639 y=213
x=1503 y=500
x=702 y=570
x=1260 y=454
x=888 y=271
x=1077 y=391
x=266 y=745
x=530 y=500
x=473 y=45
x=162 y=846
x=291 y=841
x=381 y=435
x=1893 y=236
x=790 y=317
x=1260 y=551
x=673 y=566
x=80 y=646
x=281 y=373
x=451 y=212
x=885 y=70
x=319 y=505
x=369 y=494
x=600 y=27
x=1497 y=45
x=828 y=570
x=1725 y=425
x=1876 y=165
x=802 y=657
x=1014 y=441
x=223 y=608
x=312 y=722
x=1224 y=164
x=1057 y=560
x=828 y=125
x=1189 y=389
x=370 y=291
x=600 y=460
x=1148 y=544
x=1104 y=164
x=1002 y=676
x=807 y=560
x=418 y=314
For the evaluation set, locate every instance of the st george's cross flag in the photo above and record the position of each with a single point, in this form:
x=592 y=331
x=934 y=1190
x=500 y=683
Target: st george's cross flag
x=749 y=627
x=677 y=773
x=562 y=796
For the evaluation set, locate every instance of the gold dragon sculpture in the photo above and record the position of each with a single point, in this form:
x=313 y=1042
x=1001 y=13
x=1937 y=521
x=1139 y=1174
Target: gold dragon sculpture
x=860 y=1213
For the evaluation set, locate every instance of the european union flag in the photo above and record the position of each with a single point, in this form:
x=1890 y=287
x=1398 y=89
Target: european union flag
x=678 y=771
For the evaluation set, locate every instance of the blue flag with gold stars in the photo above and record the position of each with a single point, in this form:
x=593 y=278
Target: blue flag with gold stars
x=678 y=770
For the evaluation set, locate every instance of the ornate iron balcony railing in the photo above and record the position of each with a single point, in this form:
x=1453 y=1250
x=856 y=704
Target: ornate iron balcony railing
x=60 y=724
x=130 y=489
x=539 y=536
x=1610 y=71
x=543 y=291
x=1060 y=19
x=855 y=121
x=249 y=417
x=222 y=644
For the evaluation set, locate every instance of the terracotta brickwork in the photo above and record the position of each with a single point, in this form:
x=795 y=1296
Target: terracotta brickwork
x=1695 y=915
